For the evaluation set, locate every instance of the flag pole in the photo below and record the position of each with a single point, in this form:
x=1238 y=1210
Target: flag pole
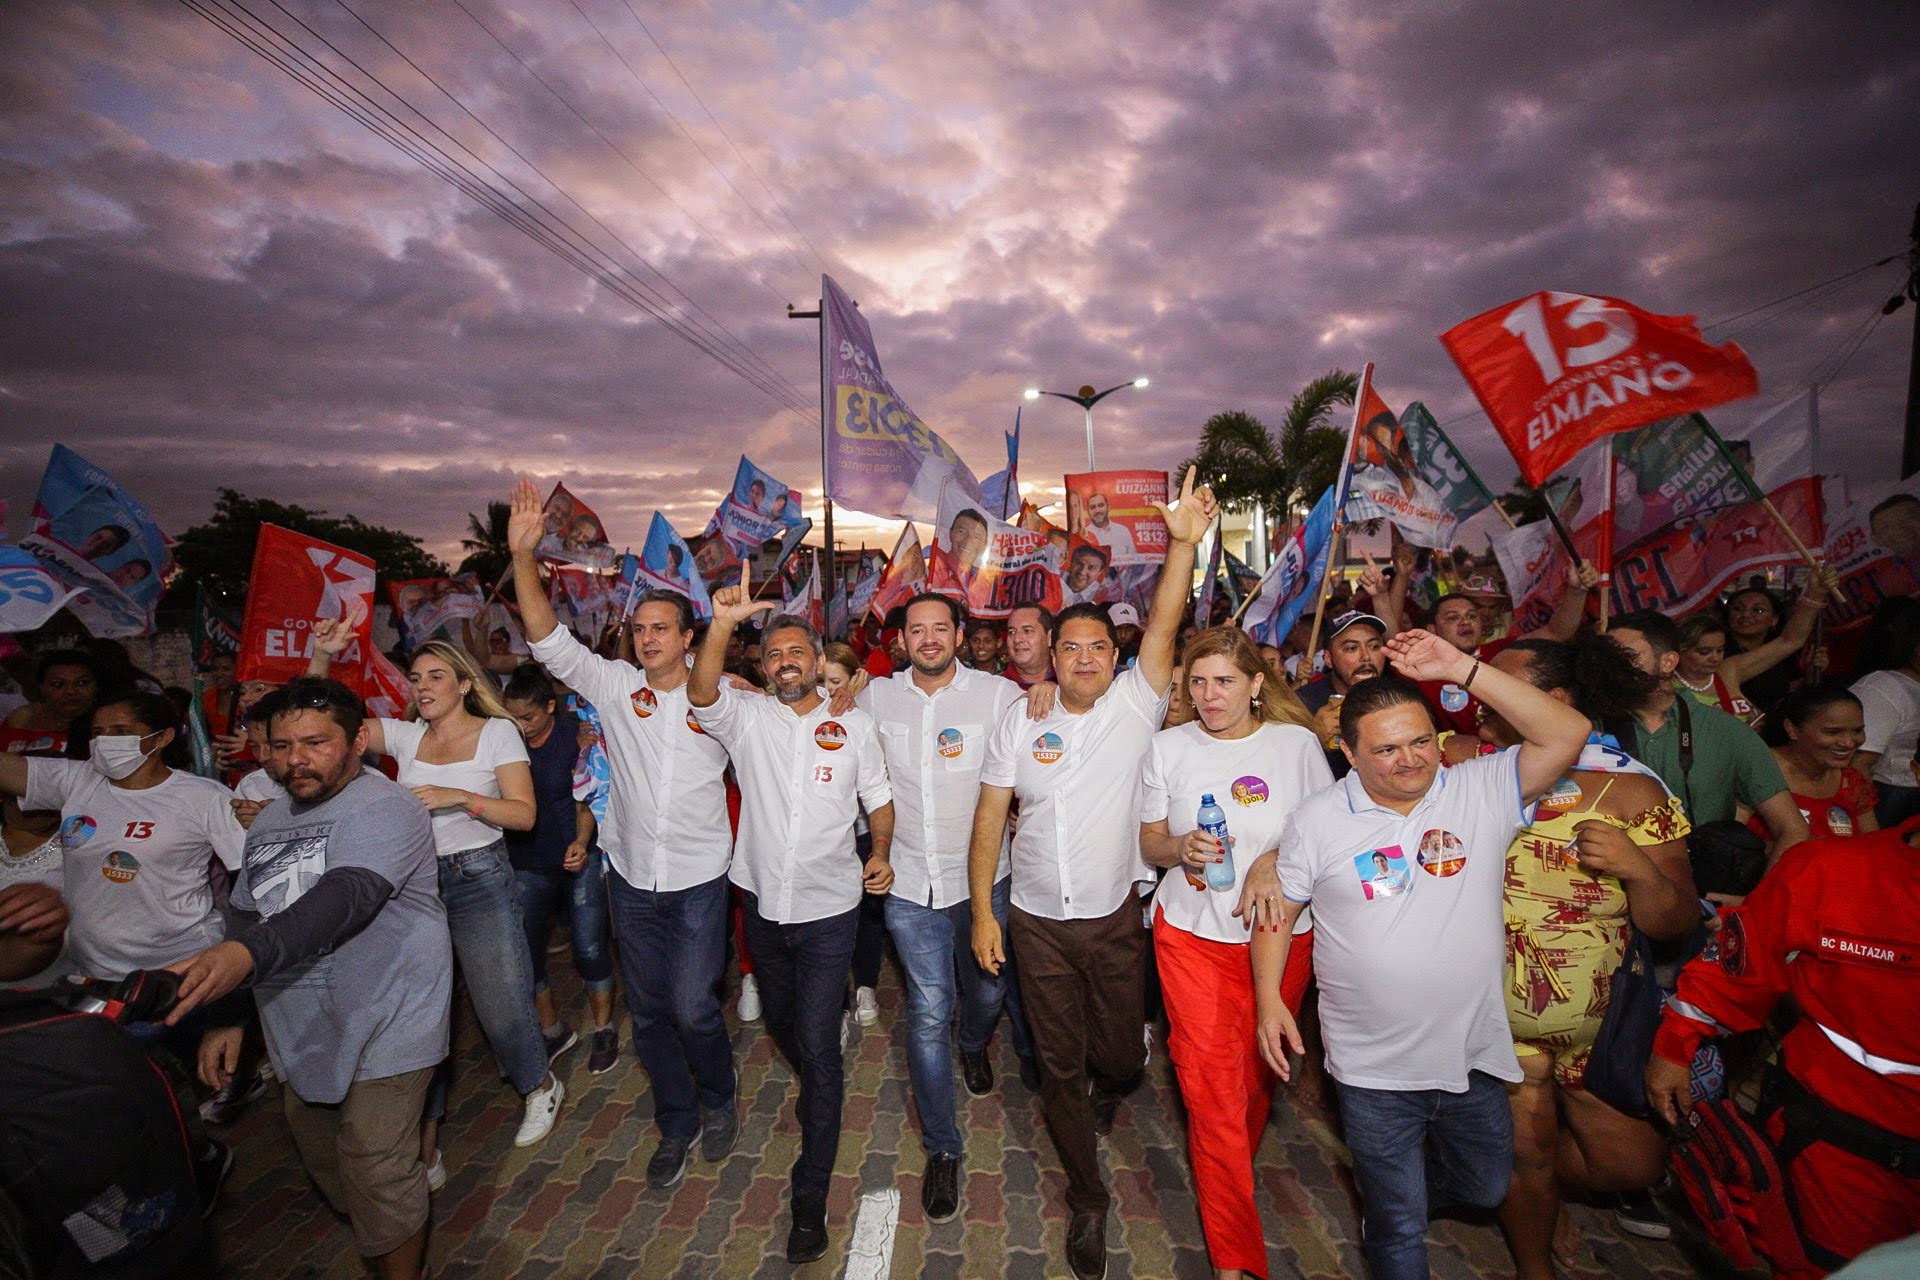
x=1766 y=503
x=1606 y=570
x=1337 y=542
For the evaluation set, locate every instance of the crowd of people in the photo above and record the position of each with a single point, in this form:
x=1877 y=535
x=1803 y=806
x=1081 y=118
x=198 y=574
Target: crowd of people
x=1541 y=902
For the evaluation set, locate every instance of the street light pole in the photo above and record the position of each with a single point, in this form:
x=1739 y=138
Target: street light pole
x=1086 y=398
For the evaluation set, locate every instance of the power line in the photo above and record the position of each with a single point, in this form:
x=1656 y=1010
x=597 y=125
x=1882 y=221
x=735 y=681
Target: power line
x=786 y=241
x=746 y=352
x=285 y=53
x=1767 y=306
x=740 y=155
x=620 y=151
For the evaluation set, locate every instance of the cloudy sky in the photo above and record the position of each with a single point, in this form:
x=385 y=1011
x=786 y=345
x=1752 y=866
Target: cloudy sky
x=214 y=277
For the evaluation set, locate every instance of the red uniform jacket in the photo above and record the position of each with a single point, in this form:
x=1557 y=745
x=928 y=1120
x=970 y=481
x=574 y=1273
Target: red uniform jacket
x=1835 y=924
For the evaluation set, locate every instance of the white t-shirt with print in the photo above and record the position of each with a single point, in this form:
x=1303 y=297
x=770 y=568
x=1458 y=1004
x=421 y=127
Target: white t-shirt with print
x=1409 y=944
x=454 y=830
x=136 y=863
x=1257 y=781
x=1890 y=701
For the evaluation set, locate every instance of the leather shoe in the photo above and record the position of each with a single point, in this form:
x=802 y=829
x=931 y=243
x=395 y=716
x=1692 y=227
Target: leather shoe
x=1087 y=1246
x=1105 y=1107
x=940 y=1190
x=807 y=1239
x=976 y=1071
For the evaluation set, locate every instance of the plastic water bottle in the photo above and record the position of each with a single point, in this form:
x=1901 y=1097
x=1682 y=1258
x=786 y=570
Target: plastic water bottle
x=1213 y=820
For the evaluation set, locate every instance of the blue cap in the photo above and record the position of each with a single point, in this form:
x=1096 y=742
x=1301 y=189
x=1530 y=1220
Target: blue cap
x=1206 y=797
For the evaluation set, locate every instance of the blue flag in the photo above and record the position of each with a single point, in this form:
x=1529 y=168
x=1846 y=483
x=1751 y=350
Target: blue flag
x=1294 y=581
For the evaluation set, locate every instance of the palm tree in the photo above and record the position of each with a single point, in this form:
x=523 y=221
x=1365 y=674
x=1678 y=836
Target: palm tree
x=486 y=544
x=1247 y=465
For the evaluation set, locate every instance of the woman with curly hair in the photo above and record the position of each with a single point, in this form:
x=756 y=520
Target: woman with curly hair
x=1603 y=854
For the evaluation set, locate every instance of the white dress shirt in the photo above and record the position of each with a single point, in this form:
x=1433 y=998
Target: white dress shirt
x=666 y=825
x=1076 y=855
x=802 y=781
x=936 y=745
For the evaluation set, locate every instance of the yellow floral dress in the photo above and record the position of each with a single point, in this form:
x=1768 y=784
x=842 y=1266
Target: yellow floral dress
x=1567 y=927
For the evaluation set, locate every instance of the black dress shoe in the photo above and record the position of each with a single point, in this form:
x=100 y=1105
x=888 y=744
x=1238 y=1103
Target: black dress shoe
x=1087 y=1246
x=807 y=1239
x=1105 y=1107
x=1030 y=1072
x=940 y=1190
x=976 y=1071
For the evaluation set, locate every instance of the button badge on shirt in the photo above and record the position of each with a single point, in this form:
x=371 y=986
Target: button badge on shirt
x=829 y=735
x=1248 y=790
x=951 y=744
x=120 y=867
x=76 y=831
x=1383 y=872
x=644 y=702
x=1441 y=853
x=1047 y=748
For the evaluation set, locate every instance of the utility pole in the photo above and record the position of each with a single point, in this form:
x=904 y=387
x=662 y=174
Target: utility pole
x=818 y=316
x=1910 y=293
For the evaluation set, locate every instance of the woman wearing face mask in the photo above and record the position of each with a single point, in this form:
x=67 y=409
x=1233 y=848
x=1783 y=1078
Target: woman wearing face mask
x=465 y=761
x=136 y=838
x=1816 y=736
x=1253 y=748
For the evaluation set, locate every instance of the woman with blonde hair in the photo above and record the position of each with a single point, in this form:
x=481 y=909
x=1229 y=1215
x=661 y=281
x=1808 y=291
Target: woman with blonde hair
x=465 y=761
x=1253 y=749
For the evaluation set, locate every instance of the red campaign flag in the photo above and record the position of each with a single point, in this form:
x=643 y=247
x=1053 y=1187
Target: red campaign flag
x=1557 y=371
x=296 y=579
x=1684 y=566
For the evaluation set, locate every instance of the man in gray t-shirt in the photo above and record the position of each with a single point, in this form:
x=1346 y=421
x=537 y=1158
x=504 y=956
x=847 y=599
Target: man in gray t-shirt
x=336 y=923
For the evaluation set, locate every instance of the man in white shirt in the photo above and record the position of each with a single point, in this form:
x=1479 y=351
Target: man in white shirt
x=1075 y=921
x=1116 y=538
x=804 y=774
x=1411 y=962
x=934 y=719
x=668 y=845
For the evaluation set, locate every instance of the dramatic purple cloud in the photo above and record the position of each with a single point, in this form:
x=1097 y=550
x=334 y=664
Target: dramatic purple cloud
x=214 y=277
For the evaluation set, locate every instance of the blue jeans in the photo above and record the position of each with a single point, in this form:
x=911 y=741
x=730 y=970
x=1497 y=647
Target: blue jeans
x=802 y=970
x=489 y=943
x=1419 y=1148
x=935 y=945
x=583 y=895
x=673 y=955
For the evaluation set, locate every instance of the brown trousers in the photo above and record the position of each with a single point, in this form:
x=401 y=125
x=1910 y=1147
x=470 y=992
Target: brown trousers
x=1084 y=985
x=364 y=1155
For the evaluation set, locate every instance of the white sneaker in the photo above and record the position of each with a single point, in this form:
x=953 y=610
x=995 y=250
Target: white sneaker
x=436 y=1172
x=543 y=1108
x=866 y=1005
x=749 y=1007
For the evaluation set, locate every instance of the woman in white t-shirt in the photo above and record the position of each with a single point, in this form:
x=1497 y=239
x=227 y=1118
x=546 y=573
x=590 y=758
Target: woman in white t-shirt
x=31 y=855
x=465 y=761
x=137 y=840
x=1254 y=749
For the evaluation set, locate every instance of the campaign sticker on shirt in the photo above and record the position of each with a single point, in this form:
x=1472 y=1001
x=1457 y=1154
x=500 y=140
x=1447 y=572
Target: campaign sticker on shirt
x=1383 y=872
x=829 y=736
x=950 y=744
x=644 y=702
x=1454 y=698
x=120 y=867
x=1249 y=790
x=1441 y=853
x=694 y=724
x=1839 y=821
x=76 y=831
x=1564 y=795
x=1048 y=748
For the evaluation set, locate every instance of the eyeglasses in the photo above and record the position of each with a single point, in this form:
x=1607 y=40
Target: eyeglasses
x=1099 y=648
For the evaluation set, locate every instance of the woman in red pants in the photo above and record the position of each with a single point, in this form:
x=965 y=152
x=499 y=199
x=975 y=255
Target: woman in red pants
x=1253 y=748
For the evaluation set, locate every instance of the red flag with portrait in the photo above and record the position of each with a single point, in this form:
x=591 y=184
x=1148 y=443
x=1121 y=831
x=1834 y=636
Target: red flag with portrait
x=1556 y=371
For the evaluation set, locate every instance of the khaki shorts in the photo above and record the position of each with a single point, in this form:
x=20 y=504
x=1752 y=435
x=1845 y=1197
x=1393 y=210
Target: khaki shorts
x=364 y=1154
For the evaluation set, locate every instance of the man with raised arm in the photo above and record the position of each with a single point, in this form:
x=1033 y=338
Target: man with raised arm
x=668 y=845
x=804 y=774
x=1405 y=864
x=1075 y=922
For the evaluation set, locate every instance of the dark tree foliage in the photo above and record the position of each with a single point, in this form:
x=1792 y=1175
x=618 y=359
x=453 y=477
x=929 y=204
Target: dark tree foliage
x=218 y=555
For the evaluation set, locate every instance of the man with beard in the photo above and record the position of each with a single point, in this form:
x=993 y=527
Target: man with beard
x=934 y=719
x=1116 y=538
x=1075 y=918
x=804 y=774
x=336 y=923
x=1354 y=653
x=1459 y=619
x=1029 y=646
x=667 y=852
